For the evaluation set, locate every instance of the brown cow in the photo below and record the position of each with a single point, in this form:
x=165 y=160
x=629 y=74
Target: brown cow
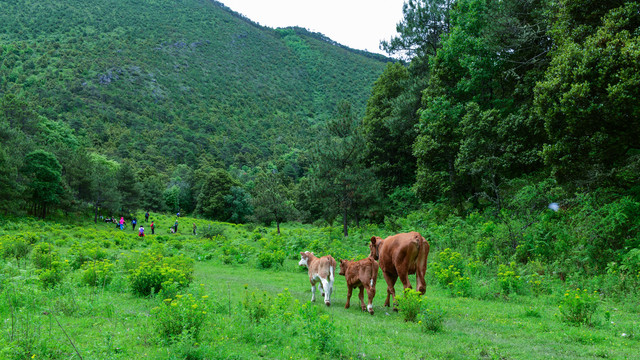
x=321 y=271
x=360 y=274
x=400 y=255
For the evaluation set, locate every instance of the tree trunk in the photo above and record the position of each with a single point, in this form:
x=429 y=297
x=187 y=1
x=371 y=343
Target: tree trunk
x=345 y=230
x=278 y=226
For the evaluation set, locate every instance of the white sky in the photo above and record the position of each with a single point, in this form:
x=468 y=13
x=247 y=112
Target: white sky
x=358 y=24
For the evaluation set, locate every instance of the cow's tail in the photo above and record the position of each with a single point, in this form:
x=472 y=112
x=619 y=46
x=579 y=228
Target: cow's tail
x=332 y=268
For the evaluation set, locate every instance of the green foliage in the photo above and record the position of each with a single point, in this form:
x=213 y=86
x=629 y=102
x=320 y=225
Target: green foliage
x=509 y=279
x=588 y=98
x=43 y=255
x=183 y=314
x=449 y=272
x=431 y=318
x=257 y=306
x=97 y=273
x=153 y=272
x=82 y=252
x=44 y=185
x=211 y=202
x=409 y=304
x=578 y=306
x=320 y=330
x=272 y=200
x=53 y=275
x=14 y=247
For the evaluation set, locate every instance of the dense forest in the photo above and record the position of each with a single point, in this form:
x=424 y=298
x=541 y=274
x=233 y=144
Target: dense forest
x=498 y=109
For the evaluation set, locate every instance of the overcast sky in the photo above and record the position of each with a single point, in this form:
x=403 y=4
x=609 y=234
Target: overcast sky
x=358 y=24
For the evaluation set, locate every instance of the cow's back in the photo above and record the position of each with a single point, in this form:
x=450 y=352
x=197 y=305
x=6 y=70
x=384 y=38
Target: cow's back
x=406 y=250
x=323 y=267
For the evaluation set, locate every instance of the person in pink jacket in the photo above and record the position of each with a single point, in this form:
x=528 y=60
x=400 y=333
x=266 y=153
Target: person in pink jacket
x=121 y=223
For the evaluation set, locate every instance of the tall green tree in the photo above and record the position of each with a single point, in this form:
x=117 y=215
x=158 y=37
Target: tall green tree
x=339 y=164
x=43 y=175
x=128 y=188
x=272 y=201
x=589 y=97
x=104 y=191
x=211 y=203
x=389 y=136
x=421 y=28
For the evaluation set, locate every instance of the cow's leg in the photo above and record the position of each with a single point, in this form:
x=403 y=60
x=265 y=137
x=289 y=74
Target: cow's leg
x=361 y=297
x=371 y=292
x=349 y=290
x=313 y=292
x=404 y=278
x=326 y=289
x=421 y=285
x=321 y=287
x=391 y=283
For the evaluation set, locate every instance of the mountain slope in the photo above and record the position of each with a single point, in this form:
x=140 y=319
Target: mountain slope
x=162 y=82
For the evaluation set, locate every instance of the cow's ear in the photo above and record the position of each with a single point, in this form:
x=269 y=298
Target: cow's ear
x=302 y=253
x=373 y=240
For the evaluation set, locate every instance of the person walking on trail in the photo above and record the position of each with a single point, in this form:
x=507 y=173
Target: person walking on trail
x=121 y=223
x=133 y=224
x=141 y=231
x=153 y=228
x=146 y=216
x=194 y=228
x=175 y=226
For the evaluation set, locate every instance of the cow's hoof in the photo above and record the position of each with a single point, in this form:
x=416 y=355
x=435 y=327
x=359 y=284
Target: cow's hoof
x=371 y=312
x=327 y=303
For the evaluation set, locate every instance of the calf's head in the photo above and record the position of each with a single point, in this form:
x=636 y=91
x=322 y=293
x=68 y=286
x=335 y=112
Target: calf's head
x=374 y=247
x=304 y=258
x=343 y=267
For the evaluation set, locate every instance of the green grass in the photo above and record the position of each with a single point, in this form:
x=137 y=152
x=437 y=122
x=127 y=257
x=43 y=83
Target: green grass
x=111 y=323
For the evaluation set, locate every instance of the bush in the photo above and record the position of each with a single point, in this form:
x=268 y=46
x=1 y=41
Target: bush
x=409 y=304
x=257 y=307
x=320 y=330
x=86 y=251
x=431 y=319
x=183 y=314
x=449 y=272
x=577 y=307
x=97 y=273
x=509 y=279
x=155 y=272
x=53 y=275
x=43 y=255
x=267 y=259
x=14 y=247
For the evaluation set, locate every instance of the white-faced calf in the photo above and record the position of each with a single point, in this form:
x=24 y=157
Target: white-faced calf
x=321 y=271
x=360 y=274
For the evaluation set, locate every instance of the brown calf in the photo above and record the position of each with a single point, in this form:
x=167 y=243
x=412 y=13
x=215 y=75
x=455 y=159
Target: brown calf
x=360 y=274
x=321 y=271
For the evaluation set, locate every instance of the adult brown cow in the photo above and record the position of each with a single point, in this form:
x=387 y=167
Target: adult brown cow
x=361 y=274
x=400 y=255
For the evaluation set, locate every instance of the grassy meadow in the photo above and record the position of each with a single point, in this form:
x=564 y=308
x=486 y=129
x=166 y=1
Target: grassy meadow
x=75 y=290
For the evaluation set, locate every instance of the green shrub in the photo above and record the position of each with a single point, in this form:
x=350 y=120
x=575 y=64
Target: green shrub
x=183 y=314
x=578 y=306
x=256 y=306
x=431 y=319
x=43 y=254
x=449 y=273
x=53 y=275
x=509 y=279
x=268 y=258
x=86 y=251
x=16 y=247
x=320 y=330
x=409 y=304
x=97 y=273
x=154 y=272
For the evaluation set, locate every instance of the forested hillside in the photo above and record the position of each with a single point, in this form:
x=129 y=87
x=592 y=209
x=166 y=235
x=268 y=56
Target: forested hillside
x=156 y=84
